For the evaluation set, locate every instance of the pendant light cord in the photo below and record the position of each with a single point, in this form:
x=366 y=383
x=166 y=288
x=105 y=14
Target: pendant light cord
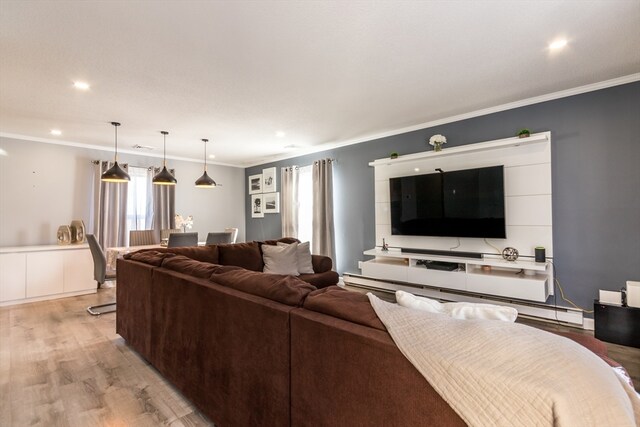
x=164 y=148
x=205 y=153
x=115 y=125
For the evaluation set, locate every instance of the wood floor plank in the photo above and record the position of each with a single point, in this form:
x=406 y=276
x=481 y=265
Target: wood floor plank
x=59 y=366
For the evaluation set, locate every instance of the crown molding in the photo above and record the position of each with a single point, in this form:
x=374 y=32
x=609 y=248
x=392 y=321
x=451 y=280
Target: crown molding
x=110 y=149
x=483 y=112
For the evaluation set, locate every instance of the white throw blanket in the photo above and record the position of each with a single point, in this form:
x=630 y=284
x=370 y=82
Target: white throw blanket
x=496 y=373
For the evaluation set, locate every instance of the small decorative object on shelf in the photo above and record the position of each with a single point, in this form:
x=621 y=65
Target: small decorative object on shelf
x=77 y=231
x=184 y=223
x=394 y=155
x=64 y=235
x=510 y=254
x=385 y=245
x=524 y=133
x=436 y=141
x=486 y=268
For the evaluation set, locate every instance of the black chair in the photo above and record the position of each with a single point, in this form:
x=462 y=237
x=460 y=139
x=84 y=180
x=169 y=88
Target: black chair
x=182 y=239
x=100 y=274
x=219 y=237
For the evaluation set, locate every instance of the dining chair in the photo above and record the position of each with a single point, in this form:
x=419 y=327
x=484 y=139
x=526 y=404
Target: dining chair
x=219 y=237
x=234 y=236
x=164 y=233
x=142 y=237
x=182 y=239
x=100 y=274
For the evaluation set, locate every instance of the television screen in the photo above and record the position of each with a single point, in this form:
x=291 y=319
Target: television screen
x=464 y=203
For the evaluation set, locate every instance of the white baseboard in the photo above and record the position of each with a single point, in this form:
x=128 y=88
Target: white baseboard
x=569 y=316
x=588 y=324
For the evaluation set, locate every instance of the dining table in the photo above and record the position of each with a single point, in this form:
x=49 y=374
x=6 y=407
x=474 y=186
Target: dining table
x=114 y=253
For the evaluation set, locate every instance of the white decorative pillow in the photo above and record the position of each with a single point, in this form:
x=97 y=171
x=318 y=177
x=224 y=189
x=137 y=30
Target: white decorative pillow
x=469 y=310
x=458 y=310
x=280 y=259
x=305 y=265
x=405 y=299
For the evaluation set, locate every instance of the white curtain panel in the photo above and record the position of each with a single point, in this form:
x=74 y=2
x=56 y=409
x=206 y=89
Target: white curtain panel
x=109 y=208
x=323 y=229
x=289 y=201
x=164 y=205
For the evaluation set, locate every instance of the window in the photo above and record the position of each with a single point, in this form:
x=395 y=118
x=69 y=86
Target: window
x=305 y=204
x=139 y=207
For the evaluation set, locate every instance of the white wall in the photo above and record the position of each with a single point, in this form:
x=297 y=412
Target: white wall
x=43 y=186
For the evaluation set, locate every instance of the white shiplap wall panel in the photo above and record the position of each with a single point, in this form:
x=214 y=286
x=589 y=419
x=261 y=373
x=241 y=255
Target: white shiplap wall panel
x=527 y=197
x=528 y=179
x=383 y=215
x=528 y=210
x=382 y=191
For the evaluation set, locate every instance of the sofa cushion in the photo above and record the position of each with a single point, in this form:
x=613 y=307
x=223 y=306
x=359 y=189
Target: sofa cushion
x=321 y=280
x=285 y=289
x=347 y=305
x=274 y=242
x=200 y=253
x=321 y=263
x=305 y=266
x=280 y=259
x=245 y=255
x=186 y=265
x=150 y=257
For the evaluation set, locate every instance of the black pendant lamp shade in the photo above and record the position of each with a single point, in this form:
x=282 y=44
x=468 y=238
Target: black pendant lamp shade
x=164 y=177
x=205 y=180
x=115 y=173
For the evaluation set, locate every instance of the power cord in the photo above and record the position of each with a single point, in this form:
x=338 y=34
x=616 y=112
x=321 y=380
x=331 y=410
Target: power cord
x=498 y=251
x=556 y=283
x=455 y=247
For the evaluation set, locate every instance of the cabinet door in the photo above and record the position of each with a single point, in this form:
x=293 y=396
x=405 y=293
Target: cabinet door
x=78 y=270
x=13 y=271
x=45 y=273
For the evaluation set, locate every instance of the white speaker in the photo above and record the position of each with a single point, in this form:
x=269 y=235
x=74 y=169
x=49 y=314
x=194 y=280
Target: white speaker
x=633 y=294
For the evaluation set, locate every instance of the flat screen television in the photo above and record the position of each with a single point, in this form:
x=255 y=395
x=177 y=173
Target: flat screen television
x=463 y=203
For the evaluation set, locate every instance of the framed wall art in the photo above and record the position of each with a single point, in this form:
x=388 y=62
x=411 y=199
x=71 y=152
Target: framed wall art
x=269 y=180
x=257 y=206
x=255 y=184
x=271 y=202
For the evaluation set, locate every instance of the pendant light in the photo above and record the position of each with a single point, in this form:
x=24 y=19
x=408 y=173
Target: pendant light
x=164 y=177
x=205 y=180
x=115 y=173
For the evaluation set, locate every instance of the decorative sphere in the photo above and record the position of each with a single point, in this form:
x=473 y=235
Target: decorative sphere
x=510 y=254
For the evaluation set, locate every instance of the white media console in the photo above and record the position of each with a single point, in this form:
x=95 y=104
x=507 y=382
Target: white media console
x=490 y=275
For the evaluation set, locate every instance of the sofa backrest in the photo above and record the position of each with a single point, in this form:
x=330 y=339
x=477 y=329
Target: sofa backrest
x=346 y=305
x=200 y=253
x=246 y=255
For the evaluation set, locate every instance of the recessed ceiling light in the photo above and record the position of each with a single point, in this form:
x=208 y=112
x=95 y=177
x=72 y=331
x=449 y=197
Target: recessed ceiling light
x=558 y=44
x=81 y=85
x=56 y=132
x=417 y=169
x=280 y=134
x=212 y=156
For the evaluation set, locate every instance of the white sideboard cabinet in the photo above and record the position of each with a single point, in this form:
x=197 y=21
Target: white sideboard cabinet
x=35 y=273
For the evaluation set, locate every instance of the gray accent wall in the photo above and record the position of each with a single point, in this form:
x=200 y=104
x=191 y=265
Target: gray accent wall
x=596 y=185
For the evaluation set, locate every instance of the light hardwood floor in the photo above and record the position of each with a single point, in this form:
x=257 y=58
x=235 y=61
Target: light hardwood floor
x=59 y=366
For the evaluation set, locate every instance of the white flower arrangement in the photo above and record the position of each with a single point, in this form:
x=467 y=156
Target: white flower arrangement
x=184 y=223
x=437 y=139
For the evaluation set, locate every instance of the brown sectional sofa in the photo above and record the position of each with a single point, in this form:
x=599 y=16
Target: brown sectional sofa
x=249 y=348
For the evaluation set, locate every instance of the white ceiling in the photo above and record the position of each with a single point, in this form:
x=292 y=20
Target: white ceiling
x=323 y=72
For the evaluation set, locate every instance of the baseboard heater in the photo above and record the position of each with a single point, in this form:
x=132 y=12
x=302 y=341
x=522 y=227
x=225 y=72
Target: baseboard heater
x=566 y=315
